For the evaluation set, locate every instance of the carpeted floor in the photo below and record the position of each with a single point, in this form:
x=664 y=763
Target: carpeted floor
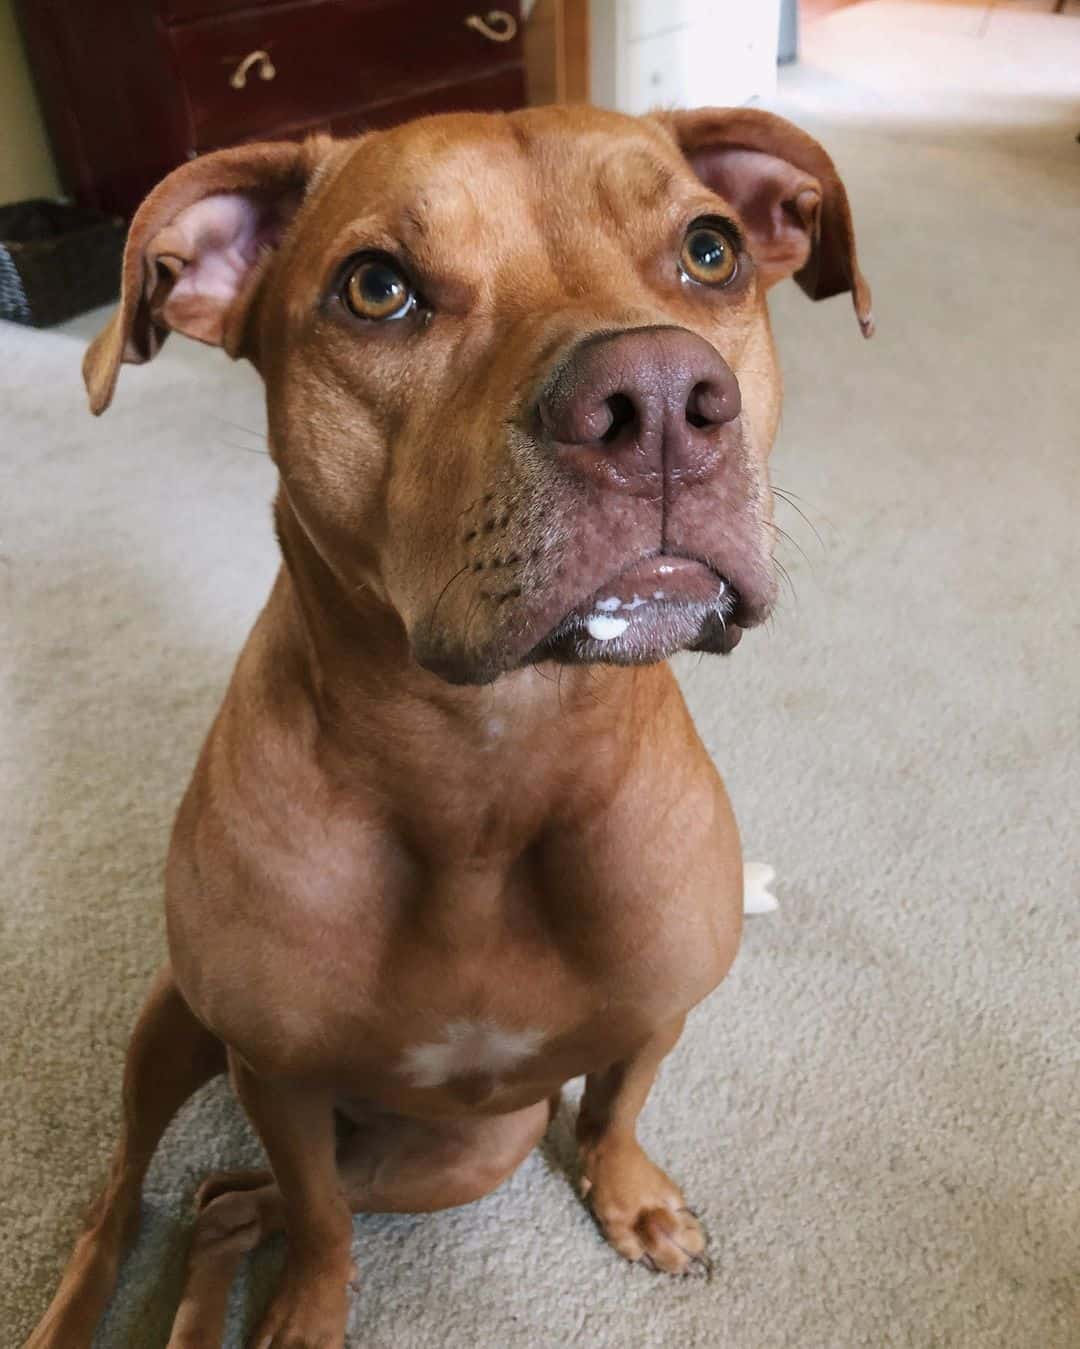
x=879 y=1112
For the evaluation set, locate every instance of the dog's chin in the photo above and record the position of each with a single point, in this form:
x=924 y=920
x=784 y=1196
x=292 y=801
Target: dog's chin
x=645 y=614
x=642 y=615
x=652 y=636
x=644 y=637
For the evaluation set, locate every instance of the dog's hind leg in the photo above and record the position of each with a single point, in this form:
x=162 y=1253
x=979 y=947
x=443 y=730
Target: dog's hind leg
x=236 y=1211
x=170 y=1056
x=385 y=1165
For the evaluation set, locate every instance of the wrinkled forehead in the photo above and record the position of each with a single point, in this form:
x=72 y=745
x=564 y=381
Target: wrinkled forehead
x=471 y=187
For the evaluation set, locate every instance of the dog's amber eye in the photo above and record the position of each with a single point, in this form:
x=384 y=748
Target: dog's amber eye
x=708 y=256
x=375 y=289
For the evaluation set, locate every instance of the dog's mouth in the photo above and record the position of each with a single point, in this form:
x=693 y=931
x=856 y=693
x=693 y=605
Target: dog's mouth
x=646 y=613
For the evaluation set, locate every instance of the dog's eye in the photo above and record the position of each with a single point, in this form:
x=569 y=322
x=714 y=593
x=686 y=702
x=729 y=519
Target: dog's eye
x=708 y=255
x=374 y=289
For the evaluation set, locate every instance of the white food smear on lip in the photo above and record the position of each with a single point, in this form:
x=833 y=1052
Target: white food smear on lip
x=603 y=628
x=609 y=605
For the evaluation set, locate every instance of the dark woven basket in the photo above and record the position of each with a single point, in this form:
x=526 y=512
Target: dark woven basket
x=56 y=261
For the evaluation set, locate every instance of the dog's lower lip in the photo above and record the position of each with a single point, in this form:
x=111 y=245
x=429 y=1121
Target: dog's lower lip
x=646 y=612
x=660 y=580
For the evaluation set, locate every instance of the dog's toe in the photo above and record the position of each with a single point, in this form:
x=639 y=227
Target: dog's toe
x=673 y=1242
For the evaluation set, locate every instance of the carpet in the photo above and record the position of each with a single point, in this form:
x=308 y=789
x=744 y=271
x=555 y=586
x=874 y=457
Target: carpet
x=878 y=1113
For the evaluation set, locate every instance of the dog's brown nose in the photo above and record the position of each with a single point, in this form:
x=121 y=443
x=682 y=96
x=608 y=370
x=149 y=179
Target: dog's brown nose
x=630 y=407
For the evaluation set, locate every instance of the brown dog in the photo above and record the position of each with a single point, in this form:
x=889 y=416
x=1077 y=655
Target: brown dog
x=521 y=392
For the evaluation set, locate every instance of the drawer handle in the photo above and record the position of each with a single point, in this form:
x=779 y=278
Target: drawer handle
x=256 y=60
x=496 y=25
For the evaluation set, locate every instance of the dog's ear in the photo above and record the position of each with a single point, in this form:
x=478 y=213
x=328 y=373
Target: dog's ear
x=786 y=192
x=195 y=251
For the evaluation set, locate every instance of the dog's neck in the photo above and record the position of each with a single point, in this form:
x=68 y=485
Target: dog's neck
x=357 y=654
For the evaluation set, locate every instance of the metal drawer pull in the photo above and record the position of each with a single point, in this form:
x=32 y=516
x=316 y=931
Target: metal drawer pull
x=496 y=25
x=260 y=60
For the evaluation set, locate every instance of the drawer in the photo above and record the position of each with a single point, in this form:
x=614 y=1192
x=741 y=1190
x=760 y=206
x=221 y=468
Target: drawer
x=500 y=92
x=179 y=11
x=283 y=66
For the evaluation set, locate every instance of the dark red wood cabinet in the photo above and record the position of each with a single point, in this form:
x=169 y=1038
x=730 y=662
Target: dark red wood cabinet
x=131 y=88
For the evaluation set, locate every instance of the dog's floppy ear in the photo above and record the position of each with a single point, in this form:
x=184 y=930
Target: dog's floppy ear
x=787 y=194
x=195 y=251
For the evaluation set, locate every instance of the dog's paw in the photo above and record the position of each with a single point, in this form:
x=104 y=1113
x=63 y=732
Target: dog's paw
x=757 y=897
x=643 y=1214
x=671 y=1242
x=306 y=1313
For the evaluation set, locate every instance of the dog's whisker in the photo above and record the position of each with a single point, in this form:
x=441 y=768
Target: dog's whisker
x=787 y=493
x=591 y=678
x=788 y=538
x=237 y=426
x=244 y=449
x=790 y=499
x=442 y=593
x=470 y=617
x=786 y=576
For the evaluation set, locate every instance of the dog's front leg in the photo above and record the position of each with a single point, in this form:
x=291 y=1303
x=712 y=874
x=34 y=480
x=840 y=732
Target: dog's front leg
x=640 y=1211
x=296 y=1125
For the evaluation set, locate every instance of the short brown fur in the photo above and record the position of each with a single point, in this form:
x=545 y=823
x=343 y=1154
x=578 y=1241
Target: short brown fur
x=406 y=818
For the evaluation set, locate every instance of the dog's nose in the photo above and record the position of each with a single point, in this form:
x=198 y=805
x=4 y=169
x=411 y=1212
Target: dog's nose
x=630 y=407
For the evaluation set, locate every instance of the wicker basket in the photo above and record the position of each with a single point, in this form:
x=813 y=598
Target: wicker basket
x=56 y=261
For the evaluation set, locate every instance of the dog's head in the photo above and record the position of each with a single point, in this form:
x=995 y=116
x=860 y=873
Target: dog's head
x=520 y=379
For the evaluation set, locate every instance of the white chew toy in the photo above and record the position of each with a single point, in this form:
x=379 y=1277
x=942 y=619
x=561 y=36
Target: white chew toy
x=757 y=897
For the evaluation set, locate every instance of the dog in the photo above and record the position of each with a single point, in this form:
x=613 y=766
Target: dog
x=452 y=839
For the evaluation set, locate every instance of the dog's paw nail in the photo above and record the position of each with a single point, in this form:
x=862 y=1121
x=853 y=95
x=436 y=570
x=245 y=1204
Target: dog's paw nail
x=700 y=1267
x=757 y=897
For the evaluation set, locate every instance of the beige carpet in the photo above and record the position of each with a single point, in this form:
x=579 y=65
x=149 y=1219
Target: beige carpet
x=879 y=1112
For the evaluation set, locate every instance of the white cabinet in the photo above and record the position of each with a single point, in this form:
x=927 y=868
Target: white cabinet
x=656 y=53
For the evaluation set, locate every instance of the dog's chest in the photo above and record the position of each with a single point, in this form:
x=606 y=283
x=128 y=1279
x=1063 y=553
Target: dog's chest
x=486 y=1001
x=465 y=1050
x=426 y=969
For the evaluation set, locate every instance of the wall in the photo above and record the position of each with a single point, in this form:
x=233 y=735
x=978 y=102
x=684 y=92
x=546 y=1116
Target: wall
x=26 y=167
x=682 y=53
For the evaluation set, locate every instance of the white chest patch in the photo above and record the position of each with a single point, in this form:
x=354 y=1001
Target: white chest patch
x=467 y=1049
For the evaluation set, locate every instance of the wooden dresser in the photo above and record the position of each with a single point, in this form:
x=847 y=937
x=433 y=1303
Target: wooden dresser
x=132 y=88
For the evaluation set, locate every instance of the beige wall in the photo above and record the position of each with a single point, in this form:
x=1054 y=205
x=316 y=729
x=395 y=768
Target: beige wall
x=26 y=167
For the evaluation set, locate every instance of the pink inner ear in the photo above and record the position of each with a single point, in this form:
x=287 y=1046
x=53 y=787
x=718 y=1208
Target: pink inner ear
x=210 y=249
x=776 y=202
